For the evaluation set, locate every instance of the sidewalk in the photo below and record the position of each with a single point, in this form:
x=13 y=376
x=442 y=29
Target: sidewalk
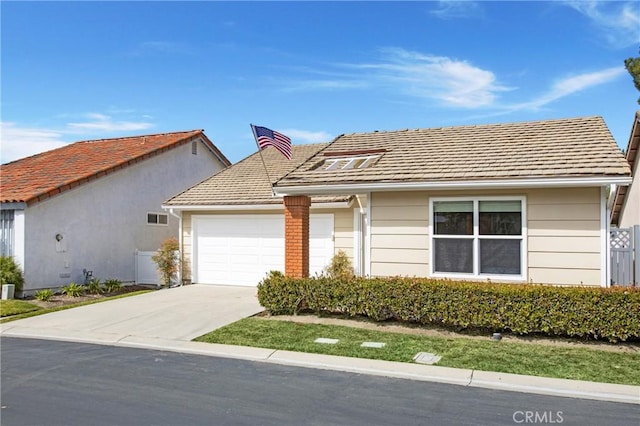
x=157 y=321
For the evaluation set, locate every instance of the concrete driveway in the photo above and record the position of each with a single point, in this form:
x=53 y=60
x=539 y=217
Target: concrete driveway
x=181 y=313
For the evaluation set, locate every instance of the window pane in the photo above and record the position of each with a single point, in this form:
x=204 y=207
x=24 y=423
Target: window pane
x=500 y=218
x=453 y=217
x=152 y=218
x=453 y=255
x=162 y=219
x=500 y=257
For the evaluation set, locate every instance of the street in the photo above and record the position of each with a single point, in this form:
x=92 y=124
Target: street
x=60 y=383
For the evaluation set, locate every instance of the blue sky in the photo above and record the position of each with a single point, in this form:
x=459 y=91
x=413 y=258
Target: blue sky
x=311 y=70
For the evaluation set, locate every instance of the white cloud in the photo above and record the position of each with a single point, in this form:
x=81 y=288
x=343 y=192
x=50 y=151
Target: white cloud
x=105 y=123
x=619 y=21
x=19 y=142
x=457 y=9
x=451 y=81
x=305 y=136
x=570 y=85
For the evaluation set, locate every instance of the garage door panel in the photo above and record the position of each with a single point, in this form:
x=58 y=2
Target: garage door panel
x=242 y=249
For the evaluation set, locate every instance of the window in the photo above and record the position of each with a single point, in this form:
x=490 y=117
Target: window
x=7 y=232
x=479 y=237
x=194 y=148
x=157 y=219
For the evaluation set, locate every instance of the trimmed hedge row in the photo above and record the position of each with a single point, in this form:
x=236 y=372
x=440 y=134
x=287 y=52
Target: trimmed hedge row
x=597 y=313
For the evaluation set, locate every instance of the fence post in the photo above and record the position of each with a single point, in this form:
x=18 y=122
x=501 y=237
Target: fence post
x=636 y=253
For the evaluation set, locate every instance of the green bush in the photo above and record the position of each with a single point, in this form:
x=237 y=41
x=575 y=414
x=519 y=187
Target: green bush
x=72 y=289
x=340 y=267
x=10 y=272
x=112 y=286
x=597 y=313
x=44 y=295
x=94 y=286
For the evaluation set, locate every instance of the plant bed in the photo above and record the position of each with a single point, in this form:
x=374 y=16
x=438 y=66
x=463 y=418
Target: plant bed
x=58 y=299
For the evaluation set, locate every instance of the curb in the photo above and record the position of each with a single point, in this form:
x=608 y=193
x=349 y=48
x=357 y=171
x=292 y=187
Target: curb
x=463 y=377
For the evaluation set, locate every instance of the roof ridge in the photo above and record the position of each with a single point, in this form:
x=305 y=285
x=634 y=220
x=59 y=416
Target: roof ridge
x=138 y=136
x=496 y=124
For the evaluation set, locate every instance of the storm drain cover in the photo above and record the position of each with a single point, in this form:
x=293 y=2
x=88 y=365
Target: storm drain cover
x=326 y=341
x=373 y=345
x=426 y=358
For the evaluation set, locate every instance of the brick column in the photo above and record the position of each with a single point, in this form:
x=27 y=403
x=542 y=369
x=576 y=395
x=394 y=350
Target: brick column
x=296 y=236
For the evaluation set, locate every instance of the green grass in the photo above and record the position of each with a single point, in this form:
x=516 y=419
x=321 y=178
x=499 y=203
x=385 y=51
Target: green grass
x=508 y=357
x=16 y=307
x=40 y=311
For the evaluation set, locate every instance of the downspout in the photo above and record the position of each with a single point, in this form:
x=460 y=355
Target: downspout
x=179 y=217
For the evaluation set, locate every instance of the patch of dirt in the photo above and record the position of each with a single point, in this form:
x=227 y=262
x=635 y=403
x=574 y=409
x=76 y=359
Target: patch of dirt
x=62 y=300
x=397 y=327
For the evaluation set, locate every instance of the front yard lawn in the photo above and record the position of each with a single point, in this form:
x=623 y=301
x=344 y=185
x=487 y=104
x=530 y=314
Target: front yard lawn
x=508 y=357
x=16 y=307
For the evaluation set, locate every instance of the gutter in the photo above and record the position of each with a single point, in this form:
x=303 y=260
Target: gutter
x=252 y=207
x=352 y=188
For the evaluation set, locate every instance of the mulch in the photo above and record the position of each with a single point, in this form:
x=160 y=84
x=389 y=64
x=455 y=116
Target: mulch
x=62 y=300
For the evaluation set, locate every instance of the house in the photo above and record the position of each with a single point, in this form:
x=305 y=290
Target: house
x=625 y=211
x=90 y=205
x=517 y=202
x=233 y=225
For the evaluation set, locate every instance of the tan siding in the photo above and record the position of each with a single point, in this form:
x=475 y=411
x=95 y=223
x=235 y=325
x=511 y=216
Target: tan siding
x=343 y=231
x=565 y=276
x=563 y=233
x=399 y=234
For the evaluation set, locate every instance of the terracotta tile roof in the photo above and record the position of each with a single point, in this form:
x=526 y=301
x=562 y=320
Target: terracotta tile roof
x=41 y=176
x=632 y=157
x=554 y=148
x=246 y=181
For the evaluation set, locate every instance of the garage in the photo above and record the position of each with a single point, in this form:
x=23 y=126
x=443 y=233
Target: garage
x=242 y=249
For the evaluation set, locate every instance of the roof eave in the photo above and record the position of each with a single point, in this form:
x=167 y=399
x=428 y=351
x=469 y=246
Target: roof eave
x=354 y=188
x=253 y=207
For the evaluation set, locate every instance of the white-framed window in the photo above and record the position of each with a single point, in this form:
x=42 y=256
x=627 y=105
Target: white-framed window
x=478 y=237
x=157 y=219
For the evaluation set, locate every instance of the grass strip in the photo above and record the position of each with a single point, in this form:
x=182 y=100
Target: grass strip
x=15 y=307
x=508 y=357
x=41 y=311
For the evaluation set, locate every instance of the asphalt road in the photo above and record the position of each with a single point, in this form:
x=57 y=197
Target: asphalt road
x=59 y=383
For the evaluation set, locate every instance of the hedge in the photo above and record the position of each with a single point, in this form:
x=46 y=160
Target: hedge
x=596 y=313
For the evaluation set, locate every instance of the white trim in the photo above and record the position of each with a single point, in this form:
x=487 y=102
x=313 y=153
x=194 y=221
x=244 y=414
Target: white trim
x=19 y=236
x=249 y=207
x=180 y=242
x=443 y=185
x=367 y=238
x=604 y=239
x=357 y=241
x=476 y=239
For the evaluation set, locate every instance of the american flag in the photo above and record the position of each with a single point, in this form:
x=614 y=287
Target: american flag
x=267 y=137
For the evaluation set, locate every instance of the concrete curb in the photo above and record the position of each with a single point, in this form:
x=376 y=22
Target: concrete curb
x=431 y=373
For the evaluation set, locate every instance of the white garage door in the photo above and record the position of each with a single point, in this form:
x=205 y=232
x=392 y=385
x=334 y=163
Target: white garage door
x=242 y=249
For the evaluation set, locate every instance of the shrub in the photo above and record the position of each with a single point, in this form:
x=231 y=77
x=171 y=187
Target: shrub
x=112 y=285
x=10 y=272
x=94 y=287
x=597 y=313
x=167 y=258
x=340 y=267
x=44 y=295
x=72 y=290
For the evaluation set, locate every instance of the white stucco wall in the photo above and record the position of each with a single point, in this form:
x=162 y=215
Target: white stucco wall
x=104 y=222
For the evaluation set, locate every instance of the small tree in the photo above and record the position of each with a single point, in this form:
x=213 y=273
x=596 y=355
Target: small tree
x=168 y=260
x=633 y=67
x=10 y=272
x=340 y=267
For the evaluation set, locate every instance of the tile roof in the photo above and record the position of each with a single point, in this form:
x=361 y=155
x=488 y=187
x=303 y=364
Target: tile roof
x=577 y=147
x=632 y=157
x=43 y=175
x=246 y=181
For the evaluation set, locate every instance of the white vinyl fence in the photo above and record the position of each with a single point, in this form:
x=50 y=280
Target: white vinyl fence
x=146 y=270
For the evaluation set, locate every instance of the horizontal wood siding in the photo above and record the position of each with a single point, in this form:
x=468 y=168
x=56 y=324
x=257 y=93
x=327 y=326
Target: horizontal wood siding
x=399 y=234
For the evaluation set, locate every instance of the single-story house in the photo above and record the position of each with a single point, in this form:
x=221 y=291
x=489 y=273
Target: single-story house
x=90 y=205
x=625 y=211
x=233 y=225
x=516 y=202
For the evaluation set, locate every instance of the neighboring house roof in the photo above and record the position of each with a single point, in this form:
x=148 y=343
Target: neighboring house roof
x=36 y=178
x=577 y=147
x=246 y=182
x=632 y=157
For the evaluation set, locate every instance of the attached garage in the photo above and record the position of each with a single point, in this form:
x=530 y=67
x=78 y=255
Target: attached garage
x=241 y=249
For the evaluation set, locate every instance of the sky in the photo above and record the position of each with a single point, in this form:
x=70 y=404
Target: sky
x=86 y=70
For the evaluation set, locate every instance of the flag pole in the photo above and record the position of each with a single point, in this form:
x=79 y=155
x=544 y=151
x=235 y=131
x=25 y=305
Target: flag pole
x=255 y=137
